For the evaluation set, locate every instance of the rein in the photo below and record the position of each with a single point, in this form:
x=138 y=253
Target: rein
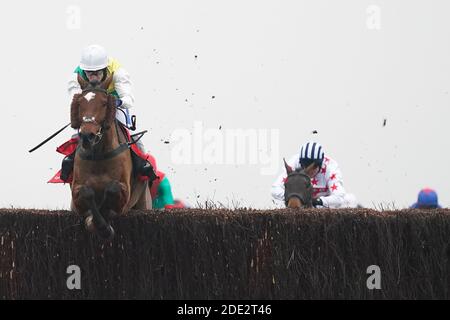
x=93 y=156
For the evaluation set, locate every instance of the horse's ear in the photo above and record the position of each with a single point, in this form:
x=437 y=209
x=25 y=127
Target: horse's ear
x=75 y=121
x=110 y=111
x=288 y=167
x=83 y=83
x=105 y=84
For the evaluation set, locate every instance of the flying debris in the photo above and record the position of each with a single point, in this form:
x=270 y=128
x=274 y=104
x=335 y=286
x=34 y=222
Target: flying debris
x=384 y=122
x=315 y=132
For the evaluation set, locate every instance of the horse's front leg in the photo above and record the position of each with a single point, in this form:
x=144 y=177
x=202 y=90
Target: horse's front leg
x=81 y=202
x=115 y=198
x=84 y=200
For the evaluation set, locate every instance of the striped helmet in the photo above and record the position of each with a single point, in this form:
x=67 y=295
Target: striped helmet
x=311 y=152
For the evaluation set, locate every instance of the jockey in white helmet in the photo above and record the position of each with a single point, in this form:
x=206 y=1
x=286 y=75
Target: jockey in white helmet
x=326 y=178
x=95 y=65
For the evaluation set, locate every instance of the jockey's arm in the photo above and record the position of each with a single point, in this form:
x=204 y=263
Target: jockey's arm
x=123 y=86
x=277 y=189
x=73 y=85
x=336 y=189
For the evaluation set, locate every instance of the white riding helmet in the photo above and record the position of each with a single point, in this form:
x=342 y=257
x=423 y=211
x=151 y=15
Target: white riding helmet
x=93 y=58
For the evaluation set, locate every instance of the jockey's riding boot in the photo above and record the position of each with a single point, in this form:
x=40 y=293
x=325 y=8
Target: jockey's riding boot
x=148 y=171
x=143 y=168
x=67 y=166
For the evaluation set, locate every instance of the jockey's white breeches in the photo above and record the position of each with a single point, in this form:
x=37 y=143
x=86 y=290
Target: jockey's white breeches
x=124 y=117
x=349 y=201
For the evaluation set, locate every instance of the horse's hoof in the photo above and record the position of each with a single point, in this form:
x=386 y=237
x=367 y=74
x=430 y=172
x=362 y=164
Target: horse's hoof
x=89 y=223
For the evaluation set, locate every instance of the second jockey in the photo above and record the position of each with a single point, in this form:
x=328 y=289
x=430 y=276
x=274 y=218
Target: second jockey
x=95 y=65
x=161 y=190
x=326 y=178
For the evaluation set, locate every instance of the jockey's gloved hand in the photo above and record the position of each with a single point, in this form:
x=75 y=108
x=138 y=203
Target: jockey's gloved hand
x=317 y=202
x=118 y=102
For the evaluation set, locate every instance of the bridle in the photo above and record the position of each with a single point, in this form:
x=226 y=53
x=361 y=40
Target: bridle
x=99 y=134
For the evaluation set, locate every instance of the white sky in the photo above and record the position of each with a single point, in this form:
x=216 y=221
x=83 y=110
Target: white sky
x=292 y=66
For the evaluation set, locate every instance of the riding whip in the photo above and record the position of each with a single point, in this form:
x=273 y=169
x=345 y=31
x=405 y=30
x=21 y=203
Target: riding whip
x=49 y=138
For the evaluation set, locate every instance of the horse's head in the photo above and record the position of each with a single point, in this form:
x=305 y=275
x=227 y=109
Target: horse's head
x=297 y=188
x=92 y=111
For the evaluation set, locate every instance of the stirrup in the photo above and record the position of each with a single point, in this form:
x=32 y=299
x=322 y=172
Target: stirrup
x=148 y=171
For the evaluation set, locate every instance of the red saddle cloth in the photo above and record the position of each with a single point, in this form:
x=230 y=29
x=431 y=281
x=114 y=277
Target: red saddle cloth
x=177 y=205
x=70 y=146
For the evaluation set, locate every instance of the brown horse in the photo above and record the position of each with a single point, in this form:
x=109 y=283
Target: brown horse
x=103 y=184
x=298 y=189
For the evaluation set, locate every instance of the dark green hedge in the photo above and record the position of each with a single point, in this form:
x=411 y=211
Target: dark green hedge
x=219 y=254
